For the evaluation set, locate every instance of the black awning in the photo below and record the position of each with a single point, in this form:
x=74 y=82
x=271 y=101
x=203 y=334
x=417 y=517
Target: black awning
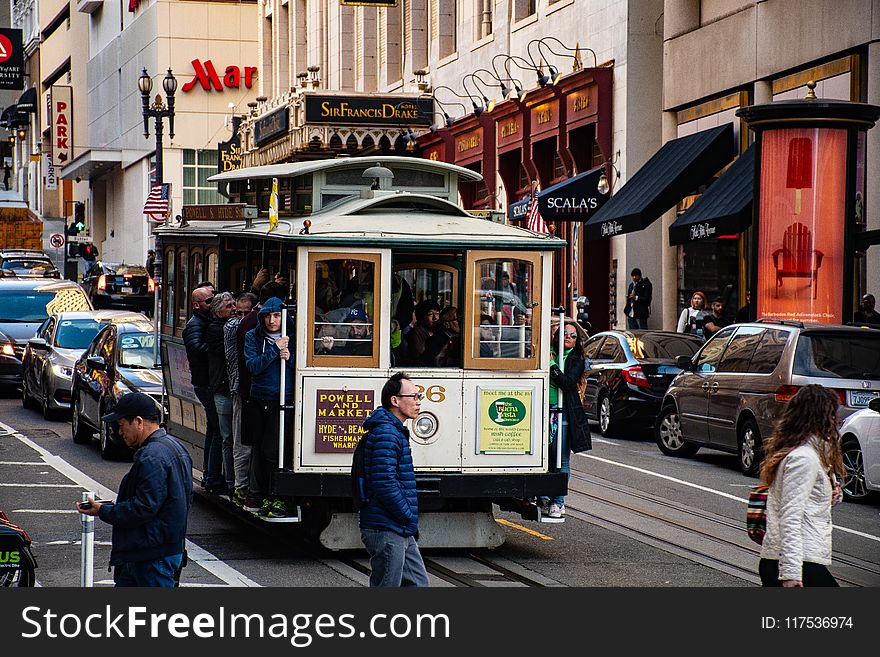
x=518 y=210
x=575 y=199
x=27 y=102
x=8 y=117
x=678 y=168
x=725 y=208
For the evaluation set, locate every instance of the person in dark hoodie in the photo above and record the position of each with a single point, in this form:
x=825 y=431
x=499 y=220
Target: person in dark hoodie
x=389 y=520
x=264 y=351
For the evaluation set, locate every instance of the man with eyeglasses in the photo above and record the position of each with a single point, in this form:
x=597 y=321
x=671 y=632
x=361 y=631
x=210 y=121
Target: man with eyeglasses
x=197 y=353
x=389 y=520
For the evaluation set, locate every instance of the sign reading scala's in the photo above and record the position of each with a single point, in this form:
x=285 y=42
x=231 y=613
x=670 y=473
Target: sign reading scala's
x=369 y=110
x=575 y=199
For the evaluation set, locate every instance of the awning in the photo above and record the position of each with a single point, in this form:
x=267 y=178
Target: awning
x=518 y=210
x=678 y=168
x=92 y=164
x=725 y=208
x=28 y=101
x=575 y=199
x=12 y=118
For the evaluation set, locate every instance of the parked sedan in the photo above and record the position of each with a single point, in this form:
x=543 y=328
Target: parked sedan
x=26 y=263
x=24 y=305
x=118 y=285
x=49 y=357
x=119 y=360
x=860 y=437
x=629 y=372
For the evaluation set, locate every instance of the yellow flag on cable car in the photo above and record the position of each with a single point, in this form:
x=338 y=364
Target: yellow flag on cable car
x=273 y=206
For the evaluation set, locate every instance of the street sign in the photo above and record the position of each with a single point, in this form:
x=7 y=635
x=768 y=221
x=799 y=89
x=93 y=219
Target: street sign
x=80 y=239
x=56 y=240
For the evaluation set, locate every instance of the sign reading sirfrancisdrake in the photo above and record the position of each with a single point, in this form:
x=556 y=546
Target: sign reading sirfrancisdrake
x=369 y=110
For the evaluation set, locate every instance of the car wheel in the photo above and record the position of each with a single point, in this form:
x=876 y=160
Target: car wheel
x=48 y=412
x=854 y=487
x=26 y=400
x=606 y=410
x=81 y=433
x=667 y=433
x=108 y=449
x=750 y=448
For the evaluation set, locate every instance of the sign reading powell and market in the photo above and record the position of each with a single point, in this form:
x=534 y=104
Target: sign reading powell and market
x=369 y=110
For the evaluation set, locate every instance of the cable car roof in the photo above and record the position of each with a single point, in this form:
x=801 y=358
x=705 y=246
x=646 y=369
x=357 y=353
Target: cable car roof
x=382 y=218
x=293 y=169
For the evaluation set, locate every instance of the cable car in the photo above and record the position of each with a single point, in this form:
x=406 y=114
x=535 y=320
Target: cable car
x=377 y=238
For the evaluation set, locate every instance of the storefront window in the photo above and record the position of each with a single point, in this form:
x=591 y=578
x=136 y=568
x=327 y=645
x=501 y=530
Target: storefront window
x=342 y=314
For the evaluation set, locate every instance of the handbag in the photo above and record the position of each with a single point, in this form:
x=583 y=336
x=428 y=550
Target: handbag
x=756 y=514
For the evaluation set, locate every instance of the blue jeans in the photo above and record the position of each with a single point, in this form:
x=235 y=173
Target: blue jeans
x=223 y=403
x=395 y=560
x=241 y=454
x=566 y=453
x=212 y=470
x=636 y=322
x=159 y=572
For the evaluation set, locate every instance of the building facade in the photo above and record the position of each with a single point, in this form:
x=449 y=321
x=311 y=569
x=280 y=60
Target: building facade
x=211 y=48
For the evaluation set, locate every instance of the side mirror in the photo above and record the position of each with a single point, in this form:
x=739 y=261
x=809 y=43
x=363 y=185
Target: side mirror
x=96 y=363
x=874 y=404
x=38 y=343
x=684 y=363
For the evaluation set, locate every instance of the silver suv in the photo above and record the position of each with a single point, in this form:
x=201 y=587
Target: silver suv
x=731 y=393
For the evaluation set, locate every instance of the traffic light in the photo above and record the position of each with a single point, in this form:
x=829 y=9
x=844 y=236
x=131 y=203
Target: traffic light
x=79 y=216
x=73 y=249
x=88 y=252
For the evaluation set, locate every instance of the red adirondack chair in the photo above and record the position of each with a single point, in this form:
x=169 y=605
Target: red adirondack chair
x=797 y=258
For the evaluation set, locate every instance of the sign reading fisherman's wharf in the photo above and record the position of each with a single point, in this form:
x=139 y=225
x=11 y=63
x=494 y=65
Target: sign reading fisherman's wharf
x=369 y=110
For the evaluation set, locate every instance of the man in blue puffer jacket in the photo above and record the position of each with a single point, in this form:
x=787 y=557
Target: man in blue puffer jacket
x=390 y=520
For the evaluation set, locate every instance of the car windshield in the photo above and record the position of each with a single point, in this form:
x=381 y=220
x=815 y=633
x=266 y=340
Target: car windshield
x=136 y=350
x=36 y=305
x=663 y=346
x=123 y=269
x=76 y=333
x=838 y=355
x=28 y=264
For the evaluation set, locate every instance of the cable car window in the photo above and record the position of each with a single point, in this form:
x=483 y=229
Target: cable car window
x=169 y=289
x=504 y=292
x=343 y=322
x=183 y=286
x=198 y=271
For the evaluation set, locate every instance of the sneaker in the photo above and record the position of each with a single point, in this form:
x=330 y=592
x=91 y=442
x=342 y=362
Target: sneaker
x=238 y=497
x=544 y=506
x=275 y=508
x=253 y=505
x=556 y=510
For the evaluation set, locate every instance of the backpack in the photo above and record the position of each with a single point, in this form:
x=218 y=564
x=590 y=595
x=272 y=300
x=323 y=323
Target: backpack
x=359 y=495
x=756 y=514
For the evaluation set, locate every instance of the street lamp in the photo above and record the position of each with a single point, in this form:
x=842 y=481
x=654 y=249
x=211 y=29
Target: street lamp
x=158 y=111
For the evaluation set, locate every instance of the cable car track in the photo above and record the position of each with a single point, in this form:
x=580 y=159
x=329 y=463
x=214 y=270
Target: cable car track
x=750 y=573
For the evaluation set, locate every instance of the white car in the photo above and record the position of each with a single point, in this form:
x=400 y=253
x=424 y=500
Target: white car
x=860 y=436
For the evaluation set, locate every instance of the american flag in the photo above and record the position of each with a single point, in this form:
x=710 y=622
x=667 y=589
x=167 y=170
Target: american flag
x=535 y=222
x=158 y=205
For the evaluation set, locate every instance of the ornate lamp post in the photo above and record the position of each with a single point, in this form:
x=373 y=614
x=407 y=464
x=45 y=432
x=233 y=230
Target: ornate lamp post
x=158 y=111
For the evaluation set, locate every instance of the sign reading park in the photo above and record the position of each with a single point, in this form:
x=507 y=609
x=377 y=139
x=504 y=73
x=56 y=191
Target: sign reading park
x=61 y=124
x=504 y=425
x=369 y=110
x=339 y=415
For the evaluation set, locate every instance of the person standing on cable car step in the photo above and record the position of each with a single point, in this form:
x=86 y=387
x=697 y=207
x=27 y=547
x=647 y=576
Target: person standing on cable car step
x=264 y=351
x=389 y=520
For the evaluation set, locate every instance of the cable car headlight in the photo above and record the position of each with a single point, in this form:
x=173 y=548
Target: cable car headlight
x=425 y=425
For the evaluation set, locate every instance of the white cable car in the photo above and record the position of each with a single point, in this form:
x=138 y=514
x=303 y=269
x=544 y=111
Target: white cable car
x=363 y=242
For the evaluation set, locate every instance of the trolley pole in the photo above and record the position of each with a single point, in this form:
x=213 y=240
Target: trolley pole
x=560 y=356
x=283 y=390
x=87 y=551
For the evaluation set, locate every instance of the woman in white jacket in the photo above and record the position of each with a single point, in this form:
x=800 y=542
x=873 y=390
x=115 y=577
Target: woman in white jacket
x=802 y=465
x=691 y=319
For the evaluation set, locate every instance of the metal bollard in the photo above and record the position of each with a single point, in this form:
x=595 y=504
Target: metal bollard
x=87 y=553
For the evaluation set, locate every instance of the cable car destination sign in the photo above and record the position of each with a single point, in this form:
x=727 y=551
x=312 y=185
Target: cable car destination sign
x=368 y=110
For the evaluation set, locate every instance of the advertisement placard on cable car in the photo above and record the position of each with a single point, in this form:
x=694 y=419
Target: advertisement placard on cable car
x=216 y=212
x=369 y=110
x=339 y=415
x=504 y=425
x=175 y=357
x=575 y=199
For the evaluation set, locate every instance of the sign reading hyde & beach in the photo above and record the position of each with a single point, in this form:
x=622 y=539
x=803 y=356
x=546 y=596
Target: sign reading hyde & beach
x=504 y=424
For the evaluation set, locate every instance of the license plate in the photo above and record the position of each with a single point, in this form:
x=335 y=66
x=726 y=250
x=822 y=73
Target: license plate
x=125 y=290
x=860 y=398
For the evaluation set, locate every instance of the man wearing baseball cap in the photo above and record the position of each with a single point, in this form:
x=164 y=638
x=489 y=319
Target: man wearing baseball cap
x=359 y=342
x=150 y=513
